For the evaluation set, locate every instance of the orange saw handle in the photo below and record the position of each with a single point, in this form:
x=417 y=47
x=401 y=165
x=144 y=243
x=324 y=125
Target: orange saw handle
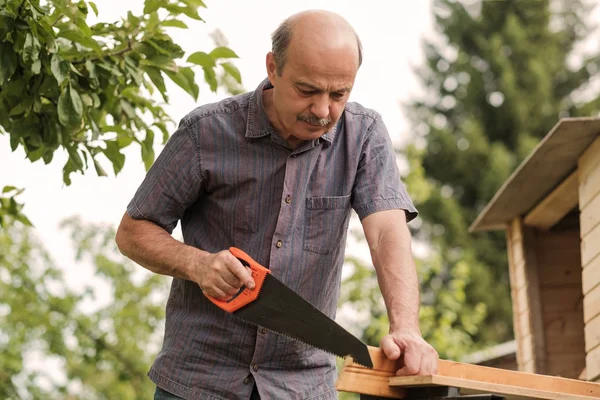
x=245 y=295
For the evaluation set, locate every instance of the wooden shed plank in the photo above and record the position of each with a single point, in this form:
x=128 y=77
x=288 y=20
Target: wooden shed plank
x=590 y=215
x=589 y=164
x=556 y=205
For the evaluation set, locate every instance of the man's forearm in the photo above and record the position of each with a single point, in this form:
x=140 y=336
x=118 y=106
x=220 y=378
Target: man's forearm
x=155 y=249
x=389 y=243
x=399 y=284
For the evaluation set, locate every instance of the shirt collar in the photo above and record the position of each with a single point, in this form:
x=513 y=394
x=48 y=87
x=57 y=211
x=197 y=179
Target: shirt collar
x=259 y=125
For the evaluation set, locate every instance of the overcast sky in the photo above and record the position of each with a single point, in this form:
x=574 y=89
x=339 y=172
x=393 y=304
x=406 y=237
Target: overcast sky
x=391 y=32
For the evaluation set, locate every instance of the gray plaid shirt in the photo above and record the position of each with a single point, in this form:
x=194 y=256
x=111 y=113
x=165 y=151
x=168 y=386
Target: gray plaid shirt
x=231 y=181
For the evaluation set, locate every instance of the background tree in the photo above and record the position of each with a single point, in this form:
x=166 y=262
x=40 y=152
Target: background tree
x=498 y=76
x=94 y=90
x=104 y=354
x=90 y=91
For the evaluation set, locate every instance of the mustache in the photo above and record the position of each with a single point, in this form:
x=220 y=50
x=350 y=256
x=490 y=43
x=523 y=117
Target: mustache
x=311 y=119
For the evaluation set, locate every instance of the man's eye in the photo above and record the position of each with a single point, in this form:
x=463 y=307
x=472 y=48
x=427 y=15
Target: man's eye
x=337 y=96
x=307 y=92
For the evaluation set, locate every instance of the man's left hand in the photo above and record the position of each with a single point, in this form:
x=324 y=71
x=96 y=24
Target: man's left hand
x=419 y=358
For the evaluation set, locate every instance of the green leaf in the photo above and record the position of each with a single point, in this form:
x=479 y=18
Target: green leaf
x=233 y=71
x=99 y=170
x=31 y=49
x=223 y=52
x=74 y=157
x=202 y=59
x=175 y=23
x=194 y=3
x=7 y=189
x=59 y=67
x=36 y=67
x=22 y=107
x=163 y=129
x=153 y=5
x=23 y=219
x=184 y=78
x=94 y=7
x=148 y=149
x=156 y=78
x=91 y=68
x=79 y=37
x=112 y=152
x=8 y=63
x=166 y=47
x=128 y=108
x=189 y=11
x=70 y=108
x=211 y=78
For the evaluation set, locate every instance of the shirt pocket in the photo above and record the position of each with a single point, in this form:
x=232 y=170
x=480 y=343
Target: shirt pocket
x=326 y=222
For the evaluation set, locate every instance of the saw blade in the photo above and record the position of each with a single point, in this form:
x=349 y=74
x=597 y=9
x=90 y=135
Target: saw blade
x=283 y=311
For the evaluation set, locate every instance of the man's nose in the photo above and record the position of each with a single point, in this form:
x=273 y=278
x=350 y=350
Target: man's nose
x=320 y=106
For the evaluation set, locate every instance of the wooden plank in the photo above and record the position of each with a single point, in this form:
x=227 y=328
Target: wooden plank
x=589 y=216
x=556 y=205
x=524 y=324
x=591 y=304
x=534 y=299
x=592 y=364
x=590 y=246
x=525 y=294
x=355 y=378
x=561 y=300
x=590 y=276
x=562 y=330
x=589 y=180
x=534 y=179
x=474 y=387
x=559 y=258
x=592 y=333
x=515 y=229
x=566 y=365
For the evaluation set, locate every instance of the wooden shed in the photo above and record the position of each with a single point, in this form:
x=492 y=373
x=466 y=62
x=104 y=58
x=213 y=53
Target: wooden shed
x=550 y=210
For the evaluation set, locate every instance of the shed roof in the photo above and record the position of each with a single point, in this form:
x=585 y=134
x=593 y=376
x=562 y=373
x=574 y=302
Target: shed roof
x=553 y=159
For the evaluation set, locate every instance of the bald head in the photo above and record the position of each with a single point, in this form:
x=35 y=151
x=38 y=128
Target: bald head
x=314 y=30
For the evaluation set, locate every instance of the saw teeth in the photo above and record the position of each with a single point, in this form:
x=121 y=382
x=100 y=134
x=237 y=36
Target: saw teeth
x=303 y=342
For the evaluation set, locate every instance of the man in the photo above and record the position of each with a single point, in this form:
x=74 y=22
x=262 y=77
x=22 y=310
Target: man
x=274 y=172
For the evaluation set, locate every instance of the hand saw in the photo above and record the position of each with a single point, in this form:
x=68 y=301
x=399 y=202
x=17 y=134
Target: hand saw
x=274 y=306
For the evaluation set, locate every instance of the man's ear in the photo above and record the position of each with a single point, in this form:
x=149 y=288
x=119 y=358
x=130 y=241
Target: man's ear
x=271 y=67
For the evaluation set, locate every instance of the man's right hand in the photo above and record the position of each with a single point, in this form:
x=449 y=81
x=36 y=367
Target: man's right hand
x=221 y=275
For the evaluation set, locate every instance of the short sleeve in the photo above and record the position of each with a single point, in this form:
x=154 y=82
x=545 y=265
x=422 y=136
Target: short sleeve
x=378 y=185
x=172 y=184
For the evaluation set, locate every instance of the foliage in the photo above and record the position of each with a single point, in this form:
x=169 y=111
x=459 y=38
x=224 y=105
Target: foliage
x=497 y=78
x=10 y=208
x=103 y=352
x=90 y=90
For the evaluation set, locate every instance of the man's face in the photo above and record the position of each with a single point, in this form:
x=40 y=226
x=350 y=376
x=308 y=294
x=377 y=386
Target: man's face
x=310 y=94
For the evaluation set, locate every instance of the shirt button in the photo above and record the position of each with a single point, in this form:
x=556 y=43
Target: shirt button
x=263 y=330
x=288 y=199
x=247 y=380
x=254 y=367
x=279 y=244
